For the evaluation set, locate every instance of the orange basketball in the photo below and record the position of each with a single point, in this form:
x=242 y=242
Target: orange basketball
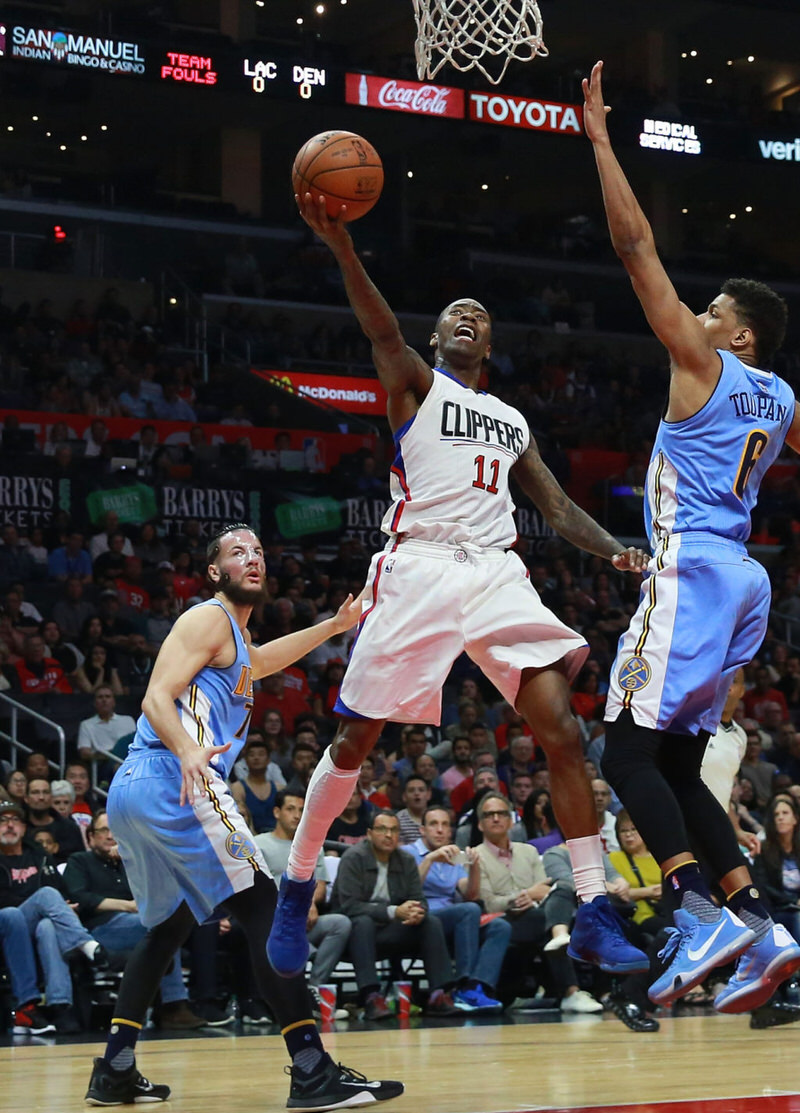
x=342 y=166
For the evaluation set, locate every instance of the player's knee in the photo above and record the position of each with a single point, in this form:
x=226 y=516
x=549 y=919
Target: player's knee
x=560 y=738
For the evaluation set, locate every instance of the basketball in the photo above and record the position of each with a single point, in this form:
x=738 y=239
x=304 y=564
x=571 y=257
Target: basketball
x=342 y=166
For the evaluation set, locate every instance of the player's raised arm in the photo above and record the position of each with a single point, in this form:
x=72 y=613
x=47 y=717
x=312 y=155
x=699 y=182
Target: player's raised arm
x=678 y=329
x=276 y=655
x=566 y=518
x=400 y=369
x=196 y=640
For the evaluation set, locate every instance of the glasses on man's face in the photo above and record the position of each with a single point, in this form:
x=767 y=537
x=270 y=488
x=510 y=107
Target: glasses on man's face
x=497 y=815
x=380 y=829
x=101 y=831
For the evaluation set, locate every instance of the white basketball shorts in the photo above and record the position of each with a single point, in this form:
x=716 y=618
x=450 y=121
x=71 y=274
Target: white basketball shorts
x=425 y=604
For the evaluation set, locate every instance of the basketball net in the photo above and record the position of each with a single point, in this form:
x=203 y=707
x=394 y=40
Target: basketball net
x=476 y=34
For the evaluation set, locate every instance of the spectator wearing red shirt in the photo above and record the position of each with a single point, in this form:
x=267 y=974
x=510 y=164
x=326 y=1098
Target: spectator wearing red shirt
x=761 y=694
x=463 y=793
x=366 y=786
x=130 y=588
x=275 y=695
x=36 y=673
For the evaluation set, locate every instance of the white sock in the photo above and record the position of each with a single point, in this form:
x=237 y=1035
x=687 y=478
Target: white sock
x=326 y=798
x=586 y=855
x=89 y=947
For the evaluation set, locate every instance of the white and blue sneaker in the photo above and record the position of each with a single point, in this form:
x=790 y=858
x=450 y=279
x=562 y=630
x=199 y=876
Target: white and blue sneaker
x=693 y=949
x=287 y=946
x=759 y=972
x=476 y=999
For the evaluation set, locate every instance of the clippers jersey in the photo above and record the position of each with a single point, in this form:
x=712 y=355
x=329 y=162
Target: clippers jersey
x=214 y=708
x=449 y=479
x=705 y=472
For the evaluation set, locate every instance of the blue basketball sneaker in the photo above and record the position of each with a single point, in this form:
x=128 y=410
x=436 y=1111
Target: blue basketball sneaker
x=287 y=946
x=693 y=948
x=759 y=972
x=598 y=937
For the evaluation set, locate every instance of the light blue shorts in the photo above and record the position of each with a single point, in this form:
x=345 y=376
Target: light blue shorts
x=201 y=853
x=702 y=614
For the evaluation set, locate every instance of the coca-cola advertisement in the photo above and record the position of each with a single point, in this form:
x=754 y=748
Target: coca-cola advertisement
x=397 y=95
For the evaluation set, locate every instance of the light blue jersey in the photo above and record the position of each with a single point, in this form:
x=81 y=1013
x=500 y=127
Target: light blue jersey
x=705 y=472
x=704 y=601
x=214 y=708
x=200 y=852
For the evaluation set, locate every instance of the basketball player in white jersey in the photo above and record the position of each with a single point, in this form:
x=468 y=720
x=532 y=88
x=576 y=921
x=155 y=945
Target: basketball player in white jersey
x=447 y=581
x=705 y=601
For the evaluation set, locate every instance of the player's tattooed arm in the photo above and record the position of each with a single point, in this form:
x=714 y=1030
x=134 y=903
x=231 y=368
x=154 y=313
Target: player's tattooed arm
x=566 y=518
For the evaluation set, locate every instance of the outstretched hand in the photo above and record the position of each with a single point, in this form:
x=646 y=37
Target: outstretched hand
x=313 y=209
x=349 y=613
x=631 y=560
x=594 y=111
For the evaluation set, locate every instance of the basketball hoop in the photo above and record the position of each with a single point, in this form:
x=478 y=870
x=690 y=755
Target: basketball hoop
x=476 y=34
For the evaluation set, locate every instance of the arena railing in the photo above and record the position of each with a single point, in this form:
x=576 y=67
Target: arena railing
x=12 y=734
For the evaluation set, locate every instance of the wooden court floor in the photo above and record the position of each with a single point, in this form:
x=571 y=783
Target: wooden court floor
x=695 y=1064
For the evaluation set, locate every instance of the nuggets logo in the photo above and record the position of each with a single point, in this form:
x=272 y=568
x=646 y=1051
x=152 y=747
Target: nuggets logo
x=239 y=846
x=634 y=674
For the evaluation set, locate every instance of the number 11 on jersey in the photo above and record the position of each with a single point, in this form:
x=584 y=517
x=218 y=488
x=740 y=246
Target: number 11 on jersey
x=478 y=481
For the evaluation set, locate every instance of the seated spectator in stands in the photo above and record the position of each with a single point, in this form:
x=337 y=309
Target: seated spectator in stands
x=304 y=761
x=416 y=798
x=509 y=717
x=41 y=816
x=539 y=821
x=71 y=559
x=328 y=688
x=414 y=742
x=335 y=648
x=256 y=791
x=100 y=541
x=16 y=786
x=467 y=717
x=776 y=870
x=149 y=547
x=461 y=769
x=520 y=759
x=587 y=701
x=378 y=887
x=367 y=787
x=187 y=582
x=131 y=590
x=513 y=881
x=761 y=693
x=425 y=767
x=110 y=564
x=519 y=790
x=68 y=655
x=328 y=933
x=96 y=436
x=96 y=882
x=86 y=801
x=452 y=889
x=481 y=738
x=22 y=616
x=158 y=620
x=350 y=827
x=468 y=689
x=278 y=741
x=98 y=735
x=96 y=673
x=116 y=631
x=273 y=771
x=91 y=635
x=171 y=407
x=36 y=765
x=36 y=922
x=36 y=673
x=276 y=695
x=16 y=563
x=605 y=819
x=136 y=665
x=759 y=772
x=132 y=402
x=62 y=796
x=35 y=545
x=462 y=794
x=73 y=611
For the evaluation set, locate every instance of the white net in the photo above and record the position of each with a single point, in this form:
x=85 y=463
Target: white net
x=476 y=34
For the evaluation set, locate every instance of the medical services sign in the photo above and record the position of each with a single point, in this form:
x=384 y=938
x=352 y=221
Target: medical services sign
x=39 y=44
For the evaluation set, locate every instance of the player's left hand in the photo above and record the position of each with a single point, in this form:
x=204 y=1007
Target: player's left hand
x=631 y=560
x=349 y=613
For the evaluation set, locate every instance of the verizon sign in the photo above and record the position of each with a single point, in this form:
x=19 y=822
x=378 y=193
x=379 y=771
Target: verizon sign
x=353 y=395
x=517 y=112
x=403 y=96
